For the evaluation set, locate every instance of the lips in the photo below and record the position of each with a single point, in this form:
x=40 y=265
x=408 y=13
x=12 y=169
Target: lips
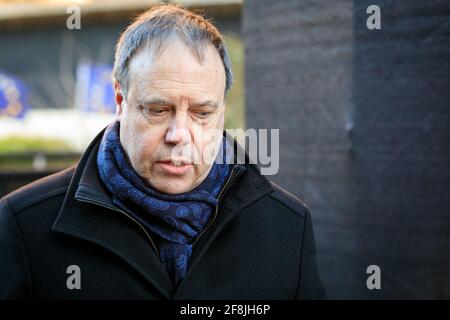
x=176 y=162
x=175 y=166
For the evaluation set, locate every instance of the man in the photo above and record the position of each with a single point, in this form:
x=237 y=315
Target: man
x=146 y=214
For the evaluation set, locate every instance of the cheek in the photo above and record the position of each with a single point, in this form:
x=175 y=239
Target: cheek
x=206 y=142
x=209 y=130
x=139 y=143
x=143 y=154
x=146 y=146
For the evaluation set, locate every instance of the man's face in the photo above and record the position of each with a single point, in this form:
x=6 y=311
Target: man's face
x=174 y=102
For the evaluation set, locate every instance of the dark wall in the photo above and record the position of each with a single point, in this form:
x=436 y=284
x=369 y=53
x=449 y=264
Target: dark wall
x=364 y=133
x=401 y=81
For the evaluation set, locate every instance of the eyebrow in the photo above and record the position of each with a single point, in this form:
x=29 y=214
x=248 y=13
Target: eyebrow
x=156 y=101
x=162 y=102
x=206 y=103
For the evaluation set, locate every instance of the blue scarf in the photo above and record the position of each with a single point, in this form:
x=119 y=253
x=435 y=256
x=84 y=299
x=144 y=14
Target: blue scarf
x=176 y=219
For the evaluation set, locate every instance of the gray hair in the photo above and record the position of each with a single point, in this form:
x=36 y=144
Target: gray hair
x=158 y=26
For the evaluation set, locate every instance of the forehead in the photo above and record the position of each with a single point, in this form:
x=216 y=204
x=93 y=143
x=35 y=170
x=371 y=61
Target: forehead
x=176 y=70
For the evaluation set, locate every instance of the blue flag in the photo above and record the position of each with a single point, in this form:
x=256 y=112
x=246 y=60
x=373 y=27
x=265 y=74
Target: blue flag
x=94 y=88
x=13 y=96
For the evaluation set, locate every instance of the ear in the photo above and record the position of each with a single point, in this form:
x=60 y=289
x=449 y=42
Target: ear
x=119 y=99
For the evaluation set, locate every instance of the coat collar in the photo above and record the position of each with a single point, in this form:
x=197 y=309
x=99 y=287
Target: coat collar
x=88 y=213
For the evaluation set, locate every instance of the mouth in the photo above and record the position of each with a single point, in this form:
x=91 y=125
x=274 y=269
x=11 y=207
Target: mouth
x=176 y=163
x=176 y=167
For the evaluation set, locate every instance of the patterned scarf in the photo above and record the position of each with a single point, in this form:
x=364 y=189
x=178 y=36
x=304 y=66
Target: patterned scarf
x=177 y=219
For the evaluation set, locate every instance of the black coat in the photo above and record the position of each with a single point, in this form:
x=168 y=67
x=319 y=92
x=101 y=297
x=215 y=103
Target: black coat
x=260 y=244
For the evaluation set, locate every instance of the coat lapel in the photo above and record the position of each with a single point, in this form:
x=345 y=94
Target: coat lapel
x=88 y=214
x=246 y=187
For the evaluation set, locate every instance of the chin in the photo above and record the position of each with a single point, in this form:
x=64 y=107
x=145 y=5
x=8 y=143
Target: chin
x=171 y=188
x=176 y=190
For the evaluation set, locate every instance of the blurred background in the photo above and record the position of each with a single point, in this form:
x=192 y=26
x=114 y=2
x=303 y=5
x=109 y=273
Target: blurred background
x=55 y=83
x=363 y=115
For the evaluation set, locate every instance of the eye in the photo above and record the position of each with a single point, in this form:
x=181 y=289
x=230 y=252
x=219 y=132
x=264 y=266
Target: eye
x=153 y=111
x=202 y=114
x=157 y=112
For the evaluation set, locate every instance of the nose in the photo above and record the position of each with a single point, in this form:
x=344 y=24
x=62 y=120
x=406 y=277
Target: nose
x=178 y=132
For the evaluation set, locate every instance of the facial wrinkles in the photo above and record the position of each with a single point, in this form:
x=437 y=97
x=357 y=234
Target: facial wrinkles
x=170 y=71
x=176 y=78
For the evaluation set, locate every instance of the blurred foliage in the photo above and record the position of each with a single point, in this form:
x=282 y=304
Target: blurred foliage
x=25 y=163
x=17 y=144
x=235 y=105
x=17 y=153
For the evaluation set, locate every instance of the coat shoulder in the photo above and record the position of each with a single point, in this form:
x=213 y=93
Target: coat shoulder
x=40 y=190
x=290 y=201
